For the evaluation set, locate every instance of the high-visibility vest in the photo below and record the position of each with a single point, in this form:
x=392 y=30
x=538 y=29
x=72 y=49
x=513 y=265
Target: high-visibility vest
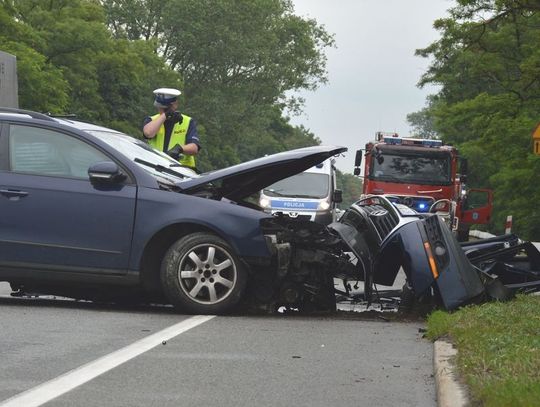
x=178 y=136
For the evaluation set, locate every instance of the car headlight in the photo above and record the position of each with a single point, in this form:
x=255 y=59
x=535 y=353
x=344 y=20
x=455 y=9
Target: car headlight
x=264 y=203
x=324 y=205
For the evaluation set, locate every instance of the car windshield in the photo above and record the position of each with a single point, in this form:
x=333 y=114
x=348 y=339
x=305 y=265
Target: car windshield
x=411 y=169
x=149 y=158
x=303 y=185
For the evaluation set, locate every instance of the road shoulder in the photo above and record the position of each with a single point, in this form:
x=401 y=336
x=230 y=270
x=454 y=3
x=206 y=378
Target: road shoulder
x=450 y=393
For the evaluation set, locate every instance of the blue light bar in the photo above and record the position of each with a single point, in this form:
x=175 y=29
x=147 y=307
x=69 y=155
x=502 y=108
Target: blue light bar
x=397 y=141
x=432 y=143
x=392 y=140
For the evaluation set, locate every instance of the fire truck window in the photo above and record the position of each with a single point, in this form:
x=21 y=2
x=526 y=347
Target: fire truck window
x=409 y=168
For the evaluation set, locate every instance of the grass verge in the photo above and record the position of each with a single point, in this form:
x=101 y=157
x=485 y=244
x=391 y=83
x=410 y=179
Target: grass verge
x=498 y=349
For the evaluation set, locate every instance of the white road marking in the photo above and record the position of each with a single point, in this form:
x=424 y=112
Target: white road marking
x=68 y=381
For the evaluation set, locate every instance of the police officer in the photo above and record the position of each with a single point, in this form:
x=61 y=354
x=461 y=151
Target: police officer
x=170 y=131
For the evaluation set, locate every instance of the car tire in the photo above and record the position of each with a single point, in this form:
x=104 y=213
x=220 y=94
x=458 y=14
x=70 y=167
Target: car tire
x=201 y=274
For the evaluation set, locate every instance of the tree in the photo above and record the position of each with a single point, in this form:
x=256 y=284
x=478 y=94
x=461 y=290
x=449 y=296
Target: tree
x=68 y=62
x=238 y=61
x=422 y=121
x=487 y=63
x=42 y=86
x=351 y=187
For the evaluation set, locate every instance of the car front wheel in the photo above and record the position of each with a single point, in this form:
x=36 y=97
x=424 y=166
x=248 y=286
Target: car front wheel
x=201 y=274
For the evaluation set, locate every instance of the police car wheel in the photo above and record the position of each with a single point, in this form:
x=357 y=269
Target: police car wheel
x=201 y=274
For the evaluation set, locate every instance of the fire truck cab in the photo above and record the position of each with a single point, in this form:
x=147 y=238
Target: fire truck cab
x=425 y=175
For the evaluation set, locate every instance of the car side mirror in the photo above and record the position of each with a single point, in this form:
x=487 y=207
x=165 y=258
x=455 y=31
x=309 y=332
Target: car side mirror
x=356 y=171
x=337 y=197
x=105 y=172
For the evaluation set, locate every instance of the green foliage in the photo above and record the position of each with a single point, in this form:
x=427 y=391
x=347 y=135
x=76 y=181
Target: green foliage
x=351 y=187
x=488 y=64
x=498 y=349
x=238 y=60
x=42 y=86
x=71 y=36
x=422 y=121
x=69 y=63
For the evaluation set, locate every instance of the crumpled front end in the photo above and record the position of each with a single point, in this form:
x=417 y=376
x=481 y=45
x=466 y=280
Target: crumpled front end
x=306 y=257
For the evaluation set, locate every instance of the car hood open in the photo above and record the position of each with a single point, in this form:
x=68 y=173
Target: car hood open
x=242 y=180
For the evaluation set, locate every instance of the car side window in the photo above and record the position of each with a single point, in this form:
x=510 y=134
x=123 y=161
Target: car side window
x=40 y=151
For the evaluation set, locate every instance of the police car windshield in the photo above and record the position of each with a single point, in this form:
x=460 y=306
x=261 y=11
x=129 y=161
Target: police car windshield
x=413 y=169
x=142 y=153
x=303 y=185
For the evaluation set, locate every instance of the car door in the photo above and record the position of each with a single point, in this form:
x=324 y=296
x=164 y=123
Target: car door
x=52 y=218
x=478 y=206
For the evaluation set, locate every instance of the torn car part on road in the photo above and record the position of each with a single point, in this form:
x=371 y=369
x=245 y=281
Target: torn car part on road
x=511 y=261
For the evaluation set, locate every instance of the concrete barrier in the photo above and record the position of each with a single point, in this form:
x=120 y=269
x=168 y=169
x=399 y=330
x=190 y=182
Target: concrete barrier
x=480 y=235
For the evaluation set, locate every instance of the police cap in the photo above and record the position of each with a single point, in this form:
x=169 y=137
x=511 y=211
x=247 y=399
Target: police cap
x=165 y=96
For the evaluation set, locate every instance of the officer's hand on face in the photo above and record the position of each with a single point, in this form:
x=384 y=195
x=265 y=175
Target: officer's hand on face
x=172 y=115
x=169 y=113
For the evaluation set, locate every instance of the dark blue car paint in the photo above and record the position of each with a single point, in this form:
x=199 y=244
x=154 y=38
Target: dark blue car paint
x=157 y=210
x=415 y=260
x=67 y=219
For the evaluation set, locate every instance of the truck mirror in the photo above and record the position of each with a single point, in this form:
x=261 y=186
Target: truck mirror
x=356 y=171
x=337 y=196
x=358 y=158
x=463 y=166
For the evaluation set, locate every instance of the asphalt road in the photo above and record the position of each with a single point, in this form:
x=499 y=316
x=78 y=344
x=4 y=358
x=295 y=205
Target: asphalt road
x=280 y=360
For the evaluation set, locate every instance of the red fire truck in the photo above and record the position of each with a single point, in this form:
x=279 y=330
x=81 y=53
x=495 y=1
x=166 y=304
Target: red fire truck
x=425 y=175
